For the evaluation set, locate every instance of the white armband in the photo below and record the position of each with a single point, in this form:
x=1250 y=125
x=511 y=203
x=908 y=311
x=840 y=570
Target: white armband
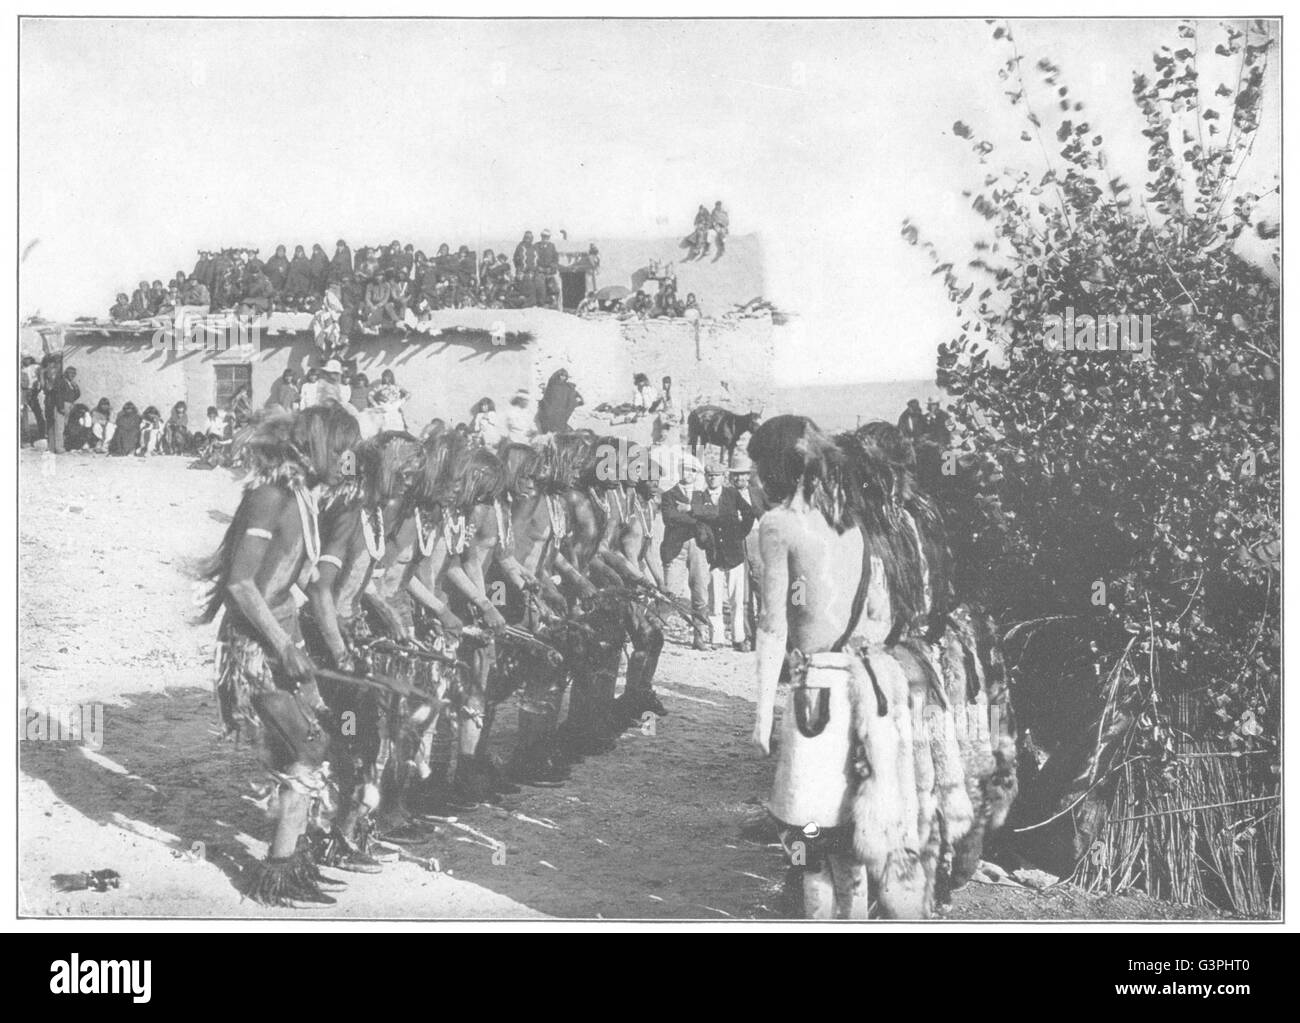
x=261 y=534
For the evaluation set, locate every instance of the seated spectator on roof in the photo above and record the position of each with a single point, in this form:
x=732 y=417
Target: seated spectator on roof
x=518 y=296
x=465 y=267
x=140 y=302
x=203 y=268
x=525 y=254
x=399 y=295
x=126 y=435
x=277 y=270
x=170 y=302
x=376 y=308
x=258 y=295
x=157 y=297
x=691 y=310
x=444 y=294
x=340 y=265
x=298 y=279
x=351 y=295
x=445 y=263
x=664 y=304
x=637 y=304
x=320 y=271
x=425 y=276
x=196 y=294
x=417 y=316
x=368 y=267
x=225 y=286
x=498 y=277
x=720 y=221
x=121 y=309
x=404 y=262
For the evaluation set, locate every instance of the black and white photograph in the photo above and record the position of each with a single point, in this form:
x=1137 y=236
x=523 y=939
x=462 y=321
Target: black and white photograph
x=721 y=472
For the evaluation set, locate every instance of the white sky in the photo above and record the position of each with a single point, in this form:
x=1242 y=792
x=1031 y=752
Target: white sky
x=144 y=141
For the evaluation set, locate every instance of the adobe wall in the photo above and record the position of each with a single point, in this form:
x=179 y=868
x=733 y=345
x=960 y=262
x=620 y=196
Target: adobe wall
x=730 y=363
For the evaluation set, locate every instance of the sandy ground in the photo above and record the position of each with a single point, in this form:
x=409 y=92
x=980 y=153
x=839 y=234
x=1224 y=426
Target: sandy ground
x=654 y=829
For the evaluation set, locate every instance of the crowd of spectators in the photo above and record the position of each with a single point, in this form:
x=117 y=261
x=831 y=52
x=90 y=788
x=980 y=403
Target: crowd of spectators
x=394 y=287
x=382 y=286
x=644 y=303
x=53 y=410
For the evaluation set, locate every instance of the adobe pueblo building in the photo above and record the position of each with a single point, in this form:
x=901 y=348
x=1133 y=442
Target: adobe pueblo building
x=723 y=357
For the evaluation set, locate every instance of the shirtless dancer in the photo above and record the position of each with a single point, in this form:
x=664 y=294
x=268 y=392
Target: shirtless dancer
x=845 y=786
x=540 y=489
x=355 y=523
x=406 y=579
x=265 y=684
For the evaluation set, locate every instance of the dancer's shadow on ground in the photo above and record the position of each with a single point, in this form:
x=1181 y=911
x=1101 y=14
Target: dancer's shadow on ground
x=179 y=778
x=649 y=829
x=655 y=828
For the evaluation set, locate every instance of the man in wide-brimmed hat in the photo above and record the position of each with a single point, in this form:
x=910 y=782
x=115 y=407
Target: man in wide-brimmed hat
x=330 y=387
x=729 y=517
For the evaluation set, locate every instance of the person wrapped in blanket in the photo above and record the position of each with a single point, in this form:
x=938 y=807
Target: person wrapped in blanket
x=266 y=688
x=176 y=438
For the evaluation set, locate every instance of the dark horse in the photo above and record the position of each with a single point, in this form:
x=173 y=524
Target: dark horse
x=712 y=424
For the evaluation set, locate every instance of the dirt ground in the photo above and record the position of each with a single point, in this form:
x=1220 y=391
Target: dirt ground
x=654 y=829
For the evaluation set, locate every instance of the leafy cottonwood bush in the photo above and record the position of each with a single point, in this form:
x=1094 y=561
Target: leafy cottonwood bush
x=1134 y=503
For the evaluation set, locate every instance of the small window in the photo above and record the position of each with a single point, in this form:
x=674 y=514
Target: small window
x=229 y=380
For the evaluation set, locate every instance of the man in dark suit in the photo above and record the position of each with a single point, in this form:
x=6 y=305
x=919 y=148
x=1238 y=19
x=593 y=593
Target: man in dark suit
x=729 y=517
x=912 y=421
x=685 y=564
